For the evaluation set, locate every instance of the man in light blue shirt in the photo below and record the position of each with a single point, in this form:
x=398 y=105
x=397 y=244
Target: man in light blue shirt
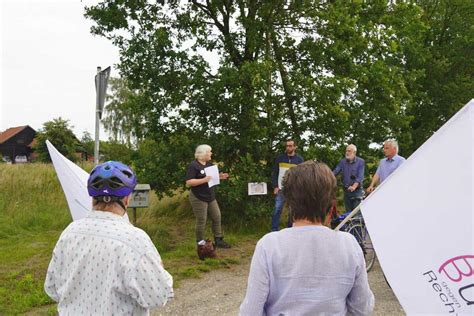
x=388 y=164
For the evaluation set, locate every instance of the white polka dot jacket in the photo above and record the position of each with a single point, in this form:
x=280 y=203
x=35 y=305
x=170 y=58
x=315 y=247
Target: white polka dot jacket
x=103 y=265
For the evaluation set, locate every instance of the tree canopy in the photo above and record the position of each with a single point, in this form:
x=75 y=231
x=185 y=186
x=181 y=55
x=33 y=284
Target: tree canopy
x=244 y=75
x=60 y=134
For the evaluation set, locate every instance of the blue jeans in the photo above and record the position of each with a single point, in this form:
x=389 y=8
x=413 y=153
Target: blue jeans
x=279 y=203
x=352 y=199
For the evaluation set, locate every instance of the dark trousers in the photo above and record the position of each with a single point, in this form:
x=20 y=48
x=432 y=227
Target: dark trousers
x=352 y=199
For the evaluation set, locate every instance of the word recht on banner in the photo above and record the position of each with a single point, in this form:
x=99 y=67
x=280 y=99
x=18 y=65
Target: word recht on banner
x=459 y=272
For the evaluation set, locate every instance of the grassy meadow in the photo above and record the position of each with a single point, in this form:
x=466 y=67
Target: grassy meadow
x=34 y=211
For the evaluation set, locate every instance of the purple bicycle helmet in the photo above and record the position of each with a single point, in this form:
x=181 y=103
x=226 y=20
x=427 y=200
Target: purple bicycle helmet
x=111 y=178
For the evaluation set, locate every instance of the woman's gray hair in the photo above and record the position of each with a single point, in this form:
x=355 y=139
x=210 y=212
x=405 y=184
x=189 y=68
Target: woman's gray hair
x=392 y=142
x=201 y=151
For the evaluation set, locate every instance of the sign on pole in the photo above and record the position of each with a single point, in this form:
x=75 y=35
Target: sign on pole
x=101 y=80
x=421 y=222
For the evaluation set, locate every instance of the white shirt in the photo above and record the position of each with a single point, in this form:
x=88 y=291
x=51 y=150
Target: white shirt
x=307 y=270
x=103 y=265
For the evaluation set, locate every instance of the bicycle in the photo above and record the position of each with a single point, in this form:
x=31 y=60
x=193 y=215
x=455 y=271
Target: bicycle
x=356 y=227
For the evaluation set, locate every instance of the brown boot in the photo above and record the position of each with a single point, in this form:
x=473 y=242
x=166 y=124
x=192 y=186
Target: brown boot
x=206 y=249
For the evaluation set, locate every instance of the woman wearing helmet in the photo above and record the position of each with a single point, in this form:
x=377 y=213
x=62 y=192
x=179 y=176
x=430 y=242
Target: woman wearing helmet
x=111 y=182
x=102 y=264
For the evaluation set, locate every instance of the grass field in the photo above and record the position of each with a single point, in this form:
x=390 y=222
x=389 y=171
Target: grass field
x=34 y=211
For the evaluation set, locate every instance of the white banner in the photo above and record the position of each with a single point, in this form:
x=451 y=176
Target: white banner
x=421 y=222
x=73 y=180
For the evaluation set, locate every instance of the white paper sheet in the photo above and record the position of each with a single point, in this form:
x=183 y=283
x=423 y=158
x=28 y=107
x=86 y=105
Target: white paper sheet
x=257 y=188
x=213 y=171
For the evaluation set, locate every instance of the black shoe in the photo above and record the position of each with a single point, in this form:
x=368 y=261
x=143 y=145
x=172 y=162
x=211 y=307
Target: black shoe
x=220 y=243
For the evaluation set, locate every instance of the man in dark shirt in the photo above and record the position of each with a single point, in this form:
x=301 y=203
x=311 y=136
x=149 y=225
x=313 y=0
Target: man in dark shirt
x=352 y=168
x=282 y=163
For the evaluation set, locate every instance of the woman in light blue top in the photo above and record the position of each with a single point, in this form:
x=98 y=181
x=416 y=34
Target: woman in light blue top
x=308 y=269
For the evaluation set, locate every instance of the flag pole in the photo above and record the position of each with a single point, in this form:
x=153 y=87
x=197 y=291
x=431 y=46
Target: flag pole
x=348 y=217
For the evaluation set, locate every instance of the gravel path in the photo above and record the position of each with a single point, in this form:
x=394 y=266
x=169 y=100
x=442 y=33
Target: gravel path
x=223 y=291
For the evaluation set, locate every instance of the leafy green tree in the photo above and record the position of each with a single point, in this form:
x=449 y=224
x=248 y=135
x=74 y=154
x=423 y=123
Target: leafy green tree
x=87 y=144
x=115 y=150
x=446 y=59
x=122 y=117
x=325 y=73
x=60 y=134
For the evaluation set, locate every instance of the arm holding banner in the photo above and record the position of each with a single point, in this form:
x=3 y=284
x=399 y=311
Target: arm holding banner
x=375 y=180
x=360 y=300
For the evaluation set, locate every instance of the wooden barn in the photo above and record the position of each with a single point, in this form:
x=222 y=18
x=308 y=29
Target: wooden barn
x=17 y=141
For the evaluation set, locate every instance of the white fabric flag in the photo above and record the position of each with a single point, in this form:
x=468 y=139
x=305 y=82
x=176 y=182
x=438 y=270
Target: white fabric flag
x=421 y=222
x=73 y=180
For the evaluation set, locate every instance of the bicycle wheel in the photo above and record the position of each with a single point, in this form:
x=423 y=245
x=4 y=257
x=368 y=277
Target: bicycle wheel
x=359 y=231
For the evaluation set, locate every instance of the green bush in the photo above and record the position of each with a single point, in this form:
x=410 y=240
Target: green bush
x=233 y=194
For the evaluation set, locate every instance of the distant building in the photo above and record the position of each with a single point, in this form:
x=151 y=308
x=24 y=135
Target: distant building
x=17 y=141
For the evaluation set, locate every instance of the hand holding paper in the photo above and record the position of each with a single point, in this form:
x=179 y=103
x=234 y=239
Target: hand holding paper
x=212 y=171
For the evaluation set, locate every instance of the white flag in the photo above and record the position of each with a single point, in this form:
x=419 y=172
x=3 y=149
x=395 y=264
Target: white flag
x=73 y=180
x=421 y=222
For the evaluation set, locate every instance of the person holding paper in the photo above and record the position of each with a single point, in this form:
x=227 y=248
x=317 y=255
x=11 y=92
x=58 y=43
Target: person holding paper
x=282 y=163
x=387 y=165
x=103 y=265
x=202 y=196
x=308 y=269
x=352 y=169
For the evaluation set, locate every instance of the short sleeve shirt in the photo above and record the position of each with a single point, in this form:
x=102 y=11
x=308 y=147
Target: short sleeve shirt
x=203 y=191
x=388 y=166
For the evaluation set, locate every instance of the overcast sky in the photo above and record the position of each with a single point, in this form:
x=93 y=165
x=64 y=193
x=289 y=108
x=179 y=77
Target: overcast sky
x=48 y=64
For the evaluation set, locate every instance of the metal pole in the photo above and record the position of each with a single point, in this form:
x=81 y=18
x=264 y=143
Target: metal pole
x=348 y=217
x=97 y=118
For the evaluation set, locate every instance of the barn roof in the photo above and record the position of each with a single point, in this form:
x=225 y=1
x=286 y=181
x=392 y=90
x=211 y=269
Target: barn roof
x=9 y=133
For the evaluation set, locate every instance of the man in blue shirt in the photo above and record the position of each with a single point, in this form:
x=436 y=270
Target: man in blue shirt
x=388 y=164
x=282 y=163
x=352 y=168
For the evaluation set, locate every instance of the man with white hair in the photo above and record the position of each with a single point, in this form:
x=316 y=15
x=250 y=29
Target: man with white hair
x=387 y=165
x=352 y=169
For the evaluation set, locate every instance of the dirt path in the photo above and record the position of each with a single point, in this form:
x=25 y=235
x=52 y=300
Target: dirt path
x=224 y=290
